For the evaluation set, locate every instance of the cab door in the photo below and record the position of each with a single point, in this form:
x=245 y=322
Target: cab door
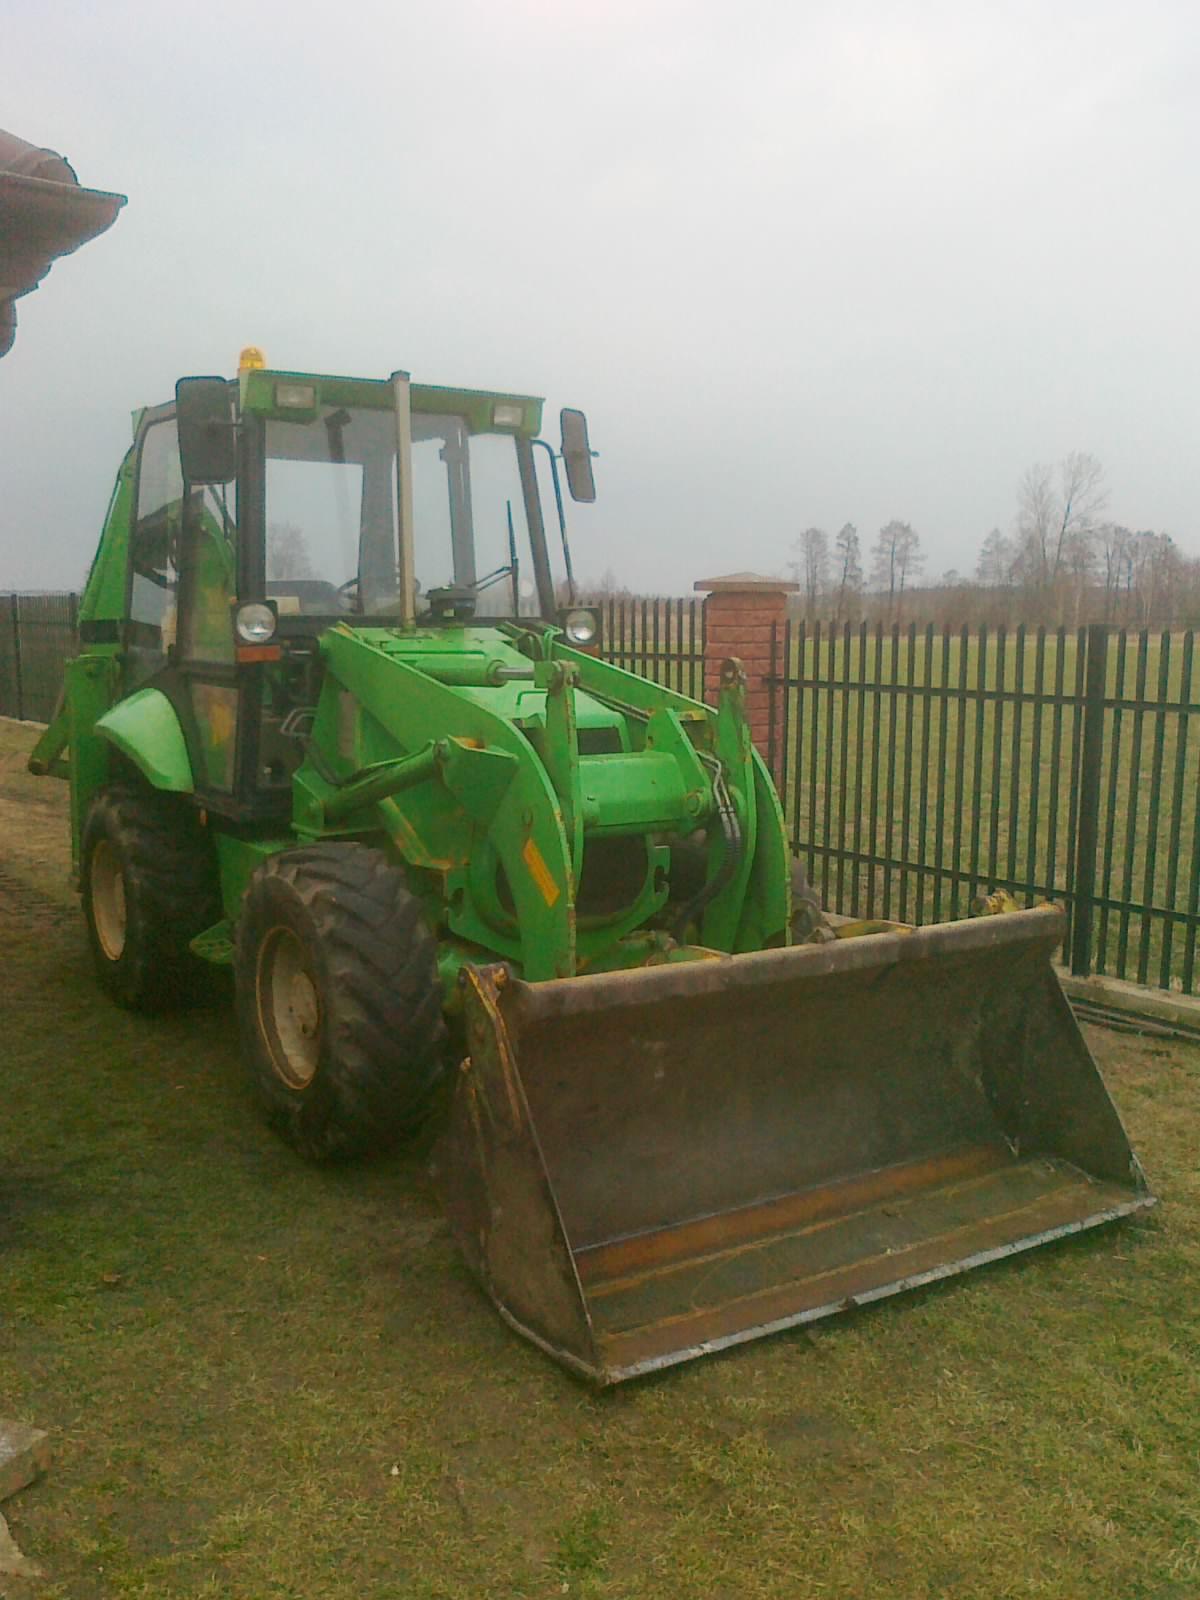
x=182 y=584
x=153 y=586
x=204 y=651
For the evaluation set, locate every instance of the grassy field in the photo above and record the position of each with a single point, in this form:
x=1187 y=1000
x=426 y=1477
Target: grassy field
x=913 y=778
x=264 y=1380
x=983 y=787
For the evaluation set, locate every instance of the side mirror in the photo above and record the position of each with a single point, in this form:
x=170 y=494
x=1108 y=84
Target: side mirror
x=207 y=439
x=577 y=455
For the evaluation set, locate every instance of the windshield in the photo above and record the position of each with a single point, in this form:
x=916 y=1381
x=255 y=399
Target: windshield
x=469 y=519
x=331 y=522
x=331 y=518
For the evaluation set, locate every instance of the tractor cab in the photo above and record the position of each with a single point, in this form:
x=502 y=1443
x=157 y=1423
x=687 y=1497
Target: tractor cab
x=266 y=510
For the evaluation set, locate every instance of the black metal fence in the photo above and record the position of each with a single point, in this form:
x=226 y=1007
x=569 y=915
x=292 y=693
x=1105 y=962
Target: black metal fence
x=922 y=768
x=661 y=639
x=37 y=634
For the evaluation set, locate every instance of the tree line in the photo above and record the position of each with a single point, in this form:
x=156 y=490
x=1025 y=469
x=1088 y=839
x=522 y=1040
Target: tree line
x=830 y=573
x=1063 y=564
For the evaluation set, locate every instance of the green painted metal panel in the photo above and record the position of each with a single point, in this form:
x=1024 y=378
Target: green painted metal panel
x=632 y=793
x=258 y=395
x=767 y=909
x=90 y=684
x=104 y=596
x=146 y=729
x=394 y=708
x=237 y=858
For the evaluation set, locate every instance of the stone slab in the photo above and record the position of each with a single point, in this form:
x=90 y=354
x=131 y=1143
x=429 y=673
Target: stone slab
x=24 y=1453
x=12 y=1563
x=742 y=582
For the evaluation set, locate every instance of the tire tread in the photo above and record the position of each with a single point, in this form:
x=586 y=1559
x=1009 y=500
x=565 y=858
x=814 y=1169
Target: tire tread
x=172 y=893
x=384 y=1052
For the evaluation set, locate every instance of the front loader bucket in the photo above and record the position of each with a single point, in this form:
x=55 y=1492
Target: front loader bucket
x=645 y=1166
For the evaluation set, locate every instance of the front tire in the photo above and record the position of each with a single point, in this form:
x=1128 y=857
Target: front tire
x=148 y=880
x=339 y=1000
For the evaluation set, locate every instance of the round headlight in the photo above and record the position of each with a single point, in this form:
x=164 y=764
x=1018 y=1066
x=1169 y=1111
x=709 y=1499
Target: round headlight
x=580 y=626
x=255 y=623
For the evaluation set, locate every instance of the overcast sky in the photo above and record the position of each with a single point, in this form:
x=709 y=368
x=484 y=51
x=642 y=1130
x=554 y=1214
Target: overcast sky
x=800 y=263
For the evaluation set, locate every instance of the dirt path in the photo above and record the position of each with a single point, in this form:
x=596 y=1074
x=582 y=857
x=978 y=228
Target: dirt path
x=34 y=842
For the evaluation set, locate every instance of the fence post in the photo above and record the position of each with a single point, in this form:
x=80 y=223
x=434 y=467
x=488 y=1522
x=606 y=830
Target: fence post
x=14 y=603
x=742 y=614
x=1088 y=811
x=772 y=716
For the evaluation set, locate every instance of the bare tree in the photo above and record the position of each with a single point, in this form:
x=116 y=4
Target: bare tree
x=850 y=573
x=1036 y=516
x=1084 y=493
x=811 y=568
x=1079 y=573
x=607 y=587
x=287 y=551
x=1153 y=565
x=1058 y=509
x=883 y=558
x=1114 y=544
x=1185 y=597
x=910 y=558
x=896 y=558
x=996 y=556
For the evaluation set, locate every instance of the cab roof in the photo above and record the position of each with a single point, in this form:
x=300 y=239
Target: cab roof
x=476 y=405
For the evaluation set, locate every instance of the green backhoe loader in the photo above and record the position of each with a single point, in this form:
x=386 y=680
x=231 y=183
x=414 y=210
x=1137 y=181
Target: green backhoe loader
x=337 y=720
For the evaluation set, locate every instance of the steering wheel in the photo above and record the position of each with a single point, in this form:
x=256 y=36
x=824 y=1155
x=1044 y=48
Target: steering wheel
x=347 y=594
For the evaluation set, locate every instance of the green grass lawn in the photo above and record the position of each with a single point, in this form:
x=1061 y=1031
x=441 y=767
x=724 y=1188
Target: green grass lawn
x=263 y=1379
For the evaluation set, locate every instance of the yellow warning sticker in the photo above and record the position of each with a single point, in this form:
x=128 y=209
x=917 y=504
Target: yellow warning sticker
x=540 y=872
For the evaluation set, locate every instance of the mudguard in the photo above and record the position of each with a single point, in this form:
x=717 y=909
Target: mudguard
x=145 y=728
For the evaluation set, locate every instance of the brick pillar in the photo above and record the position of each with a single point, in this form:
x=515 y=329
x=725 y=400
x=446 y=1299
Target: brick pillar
x=738 y=614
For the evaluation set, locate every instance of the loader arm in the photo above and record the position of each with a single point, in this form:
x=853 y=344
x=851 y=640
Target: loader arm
x=375 y=705
x=501 y=783
x=754 y=910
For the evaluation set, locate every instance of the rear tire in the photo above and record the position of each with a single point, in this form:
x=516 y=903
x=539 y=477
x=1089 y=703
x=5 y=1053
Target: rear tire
x=339 y=1000
x=149 y=885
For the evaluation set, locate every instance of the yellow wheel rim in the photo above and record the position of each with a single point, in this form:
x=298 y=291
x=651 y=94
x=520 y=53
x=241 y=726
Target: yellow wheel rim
x=109 y=915
x=289 y=1008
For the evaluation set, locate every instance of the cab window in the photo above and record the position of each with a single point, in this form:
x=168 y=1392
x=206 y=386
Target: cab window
x=155 y=544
